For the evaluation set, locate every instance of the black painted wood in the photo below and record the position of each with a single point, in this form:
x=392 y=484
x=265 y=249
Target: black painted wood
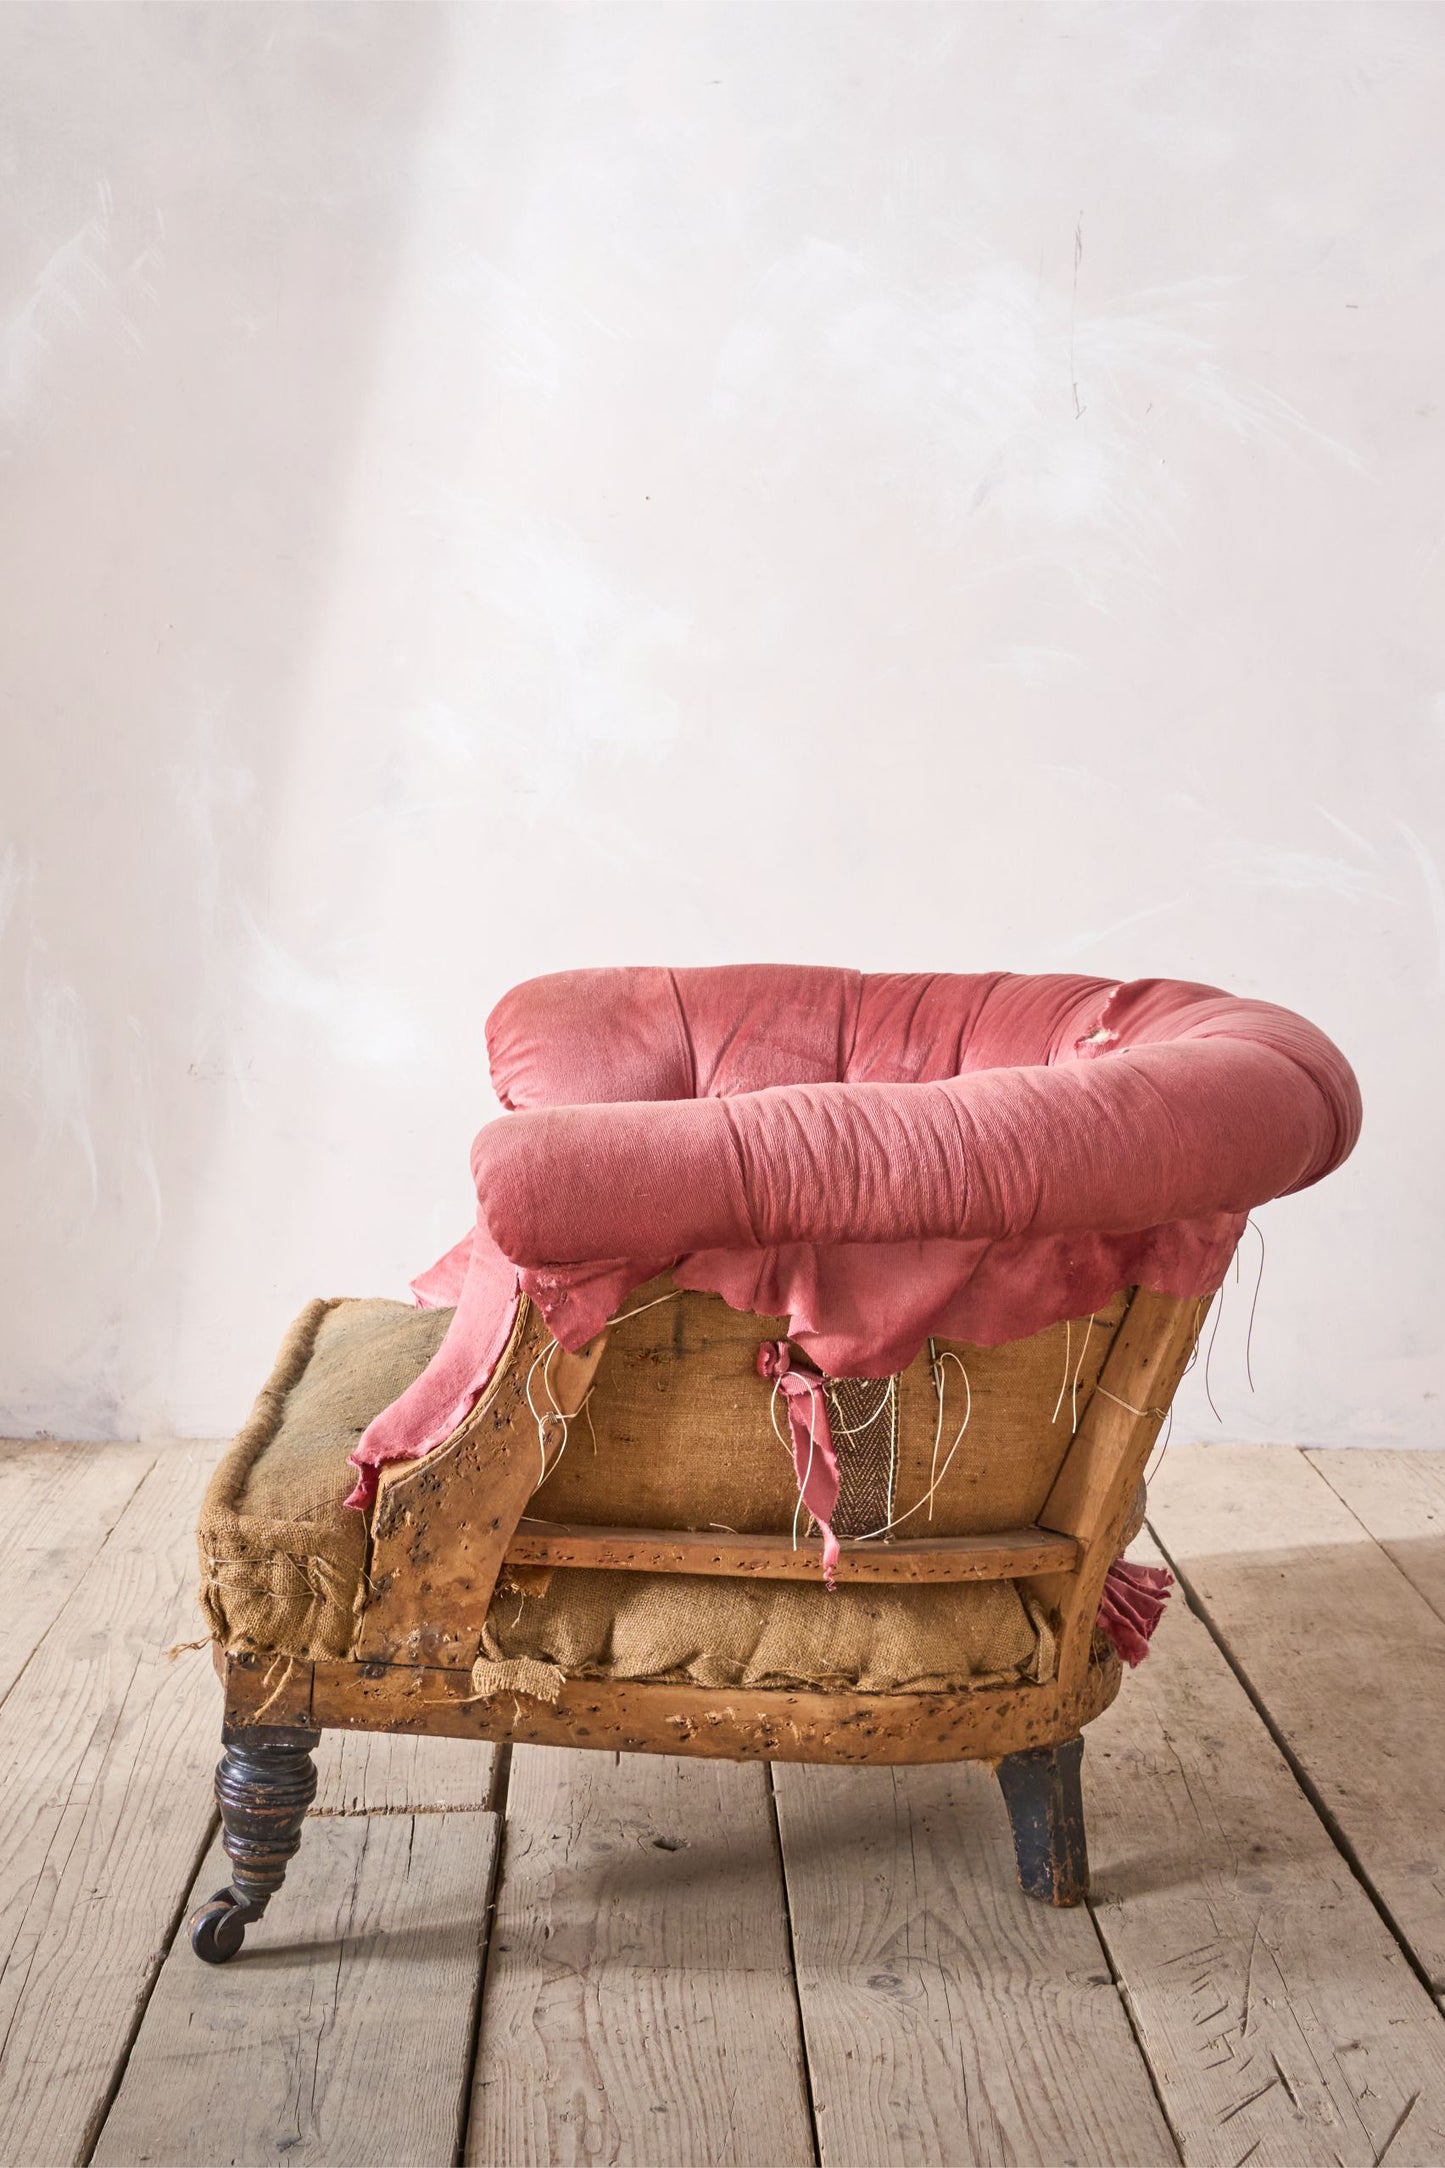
x=264 y=1784
x=1044 y=1796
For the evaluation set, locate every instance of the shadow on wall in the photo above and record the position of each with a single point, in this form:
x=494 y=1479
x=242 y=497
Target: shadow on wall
x=203 y=216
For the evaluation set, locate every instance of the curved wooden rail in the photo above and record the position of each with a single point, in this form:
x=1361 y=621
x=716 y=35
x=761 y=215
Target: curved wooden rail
x=1001 y=1556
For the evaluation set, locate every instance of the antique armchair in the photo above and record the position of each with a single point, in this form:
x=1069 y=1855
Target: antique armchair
x=792 y=1397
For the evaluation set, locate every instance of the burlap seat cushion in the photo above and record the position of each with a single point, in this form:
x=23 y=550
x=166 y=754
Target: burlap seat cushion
x=281 y=1556
x=682 y=1439
x=704 y=1631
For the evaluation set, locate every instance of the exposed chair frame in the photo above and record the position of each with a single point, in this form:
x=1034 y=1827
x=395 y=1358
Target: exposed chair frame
x=442 y=1529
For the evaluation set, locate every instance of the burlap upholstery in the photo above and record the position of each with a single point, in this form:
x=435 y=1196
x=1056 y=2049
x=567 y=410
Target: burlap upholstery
x=683 y=1437
x=281 y=1557
x=700 y=1631
x=679 y=1436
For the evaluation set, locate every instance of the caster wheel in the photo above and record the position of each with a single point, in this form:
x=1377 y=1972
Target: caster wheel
x=219 y=1928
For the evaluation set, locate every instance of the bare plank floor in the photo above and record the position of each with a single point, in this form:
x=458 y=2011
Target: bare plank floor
x=569 y=1957
x=947 y=2018
x=1341 y=1648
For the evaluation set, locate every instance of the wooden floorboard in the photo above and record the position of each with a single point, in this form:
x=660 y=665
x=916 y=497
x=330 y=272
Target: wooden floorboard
x=106 y=1751
x=58 y=1504
x=341 y=2035
x=377 y=1772
x=639 y=2003
x=1280 y=2018
x=948 y=2018
x=1400 y=1499
x=1337 y=1644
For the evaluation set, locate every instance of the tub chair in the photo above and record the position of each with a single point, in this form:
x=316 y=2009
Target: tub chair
x=790 y=1398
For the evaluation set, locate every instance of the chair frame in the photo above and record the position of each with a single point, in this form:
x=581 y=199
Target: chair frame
x=443 y=1527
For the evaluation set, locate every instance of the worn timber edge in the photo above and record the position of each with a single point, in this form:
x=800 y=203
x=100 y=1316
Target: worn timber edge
x=1001 y=1556
x=733 y=1724
x=441 y=1525
x=1095 y=1493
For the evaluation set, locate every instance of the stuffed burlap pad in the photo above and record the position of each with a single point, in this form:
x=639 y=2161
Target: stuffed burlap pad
x=704 y=1631
x=281 y=1556
x=683 y=1439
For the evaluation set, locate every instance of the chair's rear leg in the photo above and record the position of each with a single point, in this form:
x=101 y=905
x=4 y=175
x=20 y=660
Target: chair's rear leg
x=1045 y=1802
x=264 y=1784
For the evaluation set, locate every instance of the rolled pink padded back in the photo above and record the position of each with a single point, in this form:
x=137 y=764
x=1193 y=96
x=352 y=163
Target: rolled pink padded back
x=763 y=1111
x=877 y=1157
x=588 y=1037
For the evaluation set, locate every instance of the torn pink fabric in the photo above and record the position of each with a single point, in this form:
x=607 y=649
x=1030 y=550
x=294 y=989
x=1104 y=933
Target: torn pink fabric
x=814 y=1460
x=875 y=1157
x=458 y=1374
x=442 y=1283
x=1132 y=1606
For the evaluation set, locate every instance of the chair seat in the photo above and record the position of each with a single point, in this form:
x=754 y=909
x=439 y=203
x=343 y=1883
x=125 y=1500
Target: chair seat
x=678 y=1434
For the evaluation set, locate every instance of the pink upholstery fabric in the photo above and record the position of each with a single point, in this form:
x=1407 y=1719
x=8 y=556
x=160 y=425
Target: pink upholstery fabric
x=815 y=1463
x=1132 y=1606
x=875 y=1157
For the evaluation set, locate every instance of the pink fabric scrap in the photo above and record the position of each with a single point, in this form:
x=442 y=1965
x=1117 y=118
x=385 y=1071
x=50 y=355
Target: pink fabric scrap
x=458 y=1374
x=1132 y=1606
x=814 y=1459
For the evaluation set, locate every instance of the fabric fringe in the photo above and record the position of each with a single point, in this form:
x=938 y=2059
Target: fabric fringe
x=517 y=1675
x=1132 y=1606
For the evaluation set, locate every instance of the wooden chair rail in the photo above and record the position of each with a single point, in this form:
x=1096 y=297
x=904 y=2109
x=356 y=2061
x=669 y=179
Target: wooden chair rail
x=1001 y=1556
x=730 y=1723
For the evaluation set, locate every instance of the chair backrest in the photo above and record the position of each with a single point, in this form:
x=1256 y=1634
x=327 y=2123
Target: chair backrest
x=685 y=1480
x=680 y=1432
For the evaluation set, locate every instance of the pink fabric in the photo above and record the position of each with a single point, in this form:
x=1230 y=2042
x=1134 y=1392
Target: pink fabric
x=1132 y=1606
x=877 y=1158
x=457 y=1375
x=442 y=1283
x=883 y=1157
x=814 y=1460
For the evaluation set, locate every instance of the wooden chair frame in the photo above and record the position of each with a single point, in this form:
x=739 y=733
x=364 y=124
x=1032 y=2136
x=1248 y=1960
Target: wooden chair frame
x=443 y=1527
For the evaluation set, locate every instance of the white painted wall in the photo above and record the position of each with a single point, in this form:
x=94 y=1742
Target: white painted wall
x=496 y=488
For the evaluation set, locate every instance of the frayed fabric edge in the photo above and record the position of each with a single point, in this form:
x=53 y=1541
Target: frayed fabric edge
x=527 y=1675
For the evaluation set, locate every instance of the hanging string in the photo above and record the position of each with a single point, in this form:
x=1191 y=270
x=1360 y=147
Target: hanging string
x=787 y=1448
x=672 y=1295
x=1209 y=1354
x=1163 y=1446
x=1153 y=1414
x=1254 y=1305
x=1083 y=1351
x=543 y=1416
x=808 y=1471
x=845 y=1430
x=948 y=1356
x=1064 y=1380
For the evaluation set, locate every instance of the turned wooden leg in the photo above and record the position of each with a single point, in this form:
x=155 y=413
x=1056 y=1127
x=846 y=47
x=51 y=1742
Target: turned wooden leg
x=1045 y=1804
x=264 y=1784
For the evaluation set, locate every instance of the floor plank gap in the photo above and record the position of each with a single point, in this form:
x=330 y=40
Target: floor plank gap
x=1121 y=1989
x=497 y=1804
x=177 y=1926
x=804 y=2062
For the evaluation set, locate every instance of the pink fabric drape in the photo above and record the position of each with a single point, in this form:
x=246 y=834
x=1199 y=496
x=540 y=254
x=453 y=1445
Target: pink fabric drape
x=814 y=1460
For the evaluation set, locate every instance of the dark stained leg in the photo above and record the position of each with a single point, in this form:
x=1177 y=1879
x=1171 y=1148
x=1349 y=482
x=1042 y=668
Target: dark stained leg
x=265 y=1783
x=1045 y=1804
